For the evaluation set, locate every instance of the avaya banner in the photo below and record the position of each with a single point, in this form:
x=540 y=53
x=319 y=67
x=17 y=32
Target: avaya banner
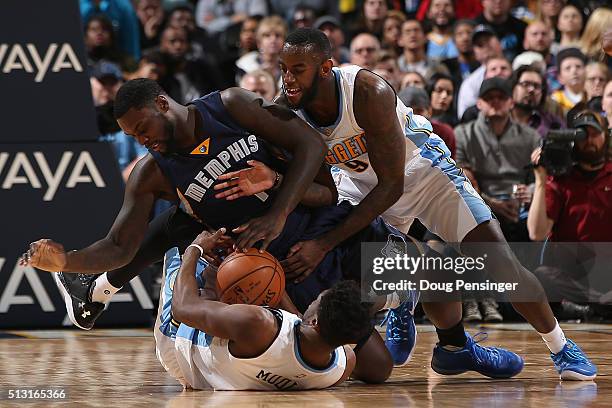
x=56 y=181
x=71 y=194
x=46 y=94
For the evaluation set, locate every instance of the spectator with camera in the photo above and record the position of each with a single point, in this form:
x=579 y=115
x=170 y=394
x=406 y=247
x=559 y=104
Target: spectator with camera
x=576 y=206
x=572 y=205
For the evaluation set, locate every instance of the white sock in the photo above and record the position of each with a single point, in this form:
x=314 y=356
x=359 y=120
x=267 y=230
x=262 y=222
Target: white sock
x=555 y=340
x=393 y=301
x=103 y=291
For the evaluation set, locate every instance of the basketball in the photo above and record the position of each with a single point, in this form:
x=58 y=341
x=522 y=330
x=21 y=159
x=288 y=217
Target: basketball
x=251 y=278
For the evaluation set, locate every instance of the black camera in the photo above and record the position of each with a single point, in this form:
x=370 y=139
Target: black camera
x=558 y=150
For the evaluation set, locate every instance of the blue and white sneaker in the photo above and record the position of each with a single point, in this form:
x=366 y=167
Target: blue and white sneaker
x=572 y=364
x=493 y=362
x=401 y=330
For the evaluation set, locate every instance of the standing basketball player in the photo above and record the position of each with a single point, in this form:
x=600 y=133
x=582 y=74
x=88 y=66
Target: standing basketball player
x=392 y=164
x=205 y=343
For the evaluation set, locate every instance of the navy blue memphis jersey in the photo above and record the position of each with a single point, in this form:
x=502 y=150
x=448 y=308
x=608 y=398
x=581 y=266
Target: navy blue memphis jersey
x=225 y=147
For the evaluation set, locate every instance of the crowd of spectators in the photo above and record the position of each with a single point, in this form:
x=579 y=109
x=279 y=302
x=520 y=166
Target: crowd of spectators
x=493 y=76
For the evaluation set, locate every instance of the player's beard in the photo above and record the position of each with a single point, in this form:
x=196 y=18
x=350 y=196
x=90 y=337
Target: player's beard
x=170 y=142
x=308 y=95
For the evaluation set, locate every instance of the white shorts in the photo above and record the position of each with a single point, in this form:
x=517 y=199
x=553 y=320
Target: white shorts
x=436 y=192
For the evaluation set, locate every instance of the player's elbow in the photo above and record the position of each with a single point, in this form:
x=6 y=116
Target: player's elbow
x=312 y=144
x=178 y=311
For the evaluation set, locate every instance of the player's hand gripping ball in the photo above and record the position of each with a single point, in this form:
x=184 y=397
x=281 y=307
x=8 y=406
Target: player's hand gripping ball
x=251 y=277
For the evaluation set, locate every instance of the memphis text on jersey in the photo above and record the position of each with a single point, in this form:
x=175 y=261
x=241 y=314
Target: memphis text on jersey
x=219 y=165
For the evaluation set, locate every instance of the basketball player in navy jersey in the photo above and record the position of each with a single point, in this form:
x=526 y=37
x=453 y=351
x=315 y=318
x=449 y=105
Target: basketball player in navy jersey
x=205 y=343
x=189 y=148
x=392 y=164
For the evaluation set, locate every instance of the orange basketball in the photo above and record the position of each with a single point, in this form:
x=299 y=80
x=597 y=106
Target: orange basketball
x=251 y=278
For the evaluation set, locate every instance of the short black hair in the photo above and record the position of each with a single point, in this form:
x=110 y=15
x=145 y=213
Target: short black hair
x=342 y=317
x=571 y=52
x=310 y=37
x=136 y=94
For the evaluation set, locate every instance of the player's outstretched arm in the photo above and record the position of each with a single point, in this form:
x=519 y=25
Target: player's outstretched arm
x=251 y=328
x=374 y=105
x=282 y=128
x=120 y=245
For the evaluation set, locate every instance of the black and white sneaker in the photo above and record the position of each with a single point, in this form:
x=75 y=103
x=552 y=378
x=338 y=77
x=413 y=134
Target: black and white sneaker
x=76 y=289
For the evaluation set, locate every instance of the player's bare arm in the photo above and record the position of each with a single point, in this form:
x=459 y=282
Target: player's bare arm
x=145 y=185
x=374 y=105
x=282 y=128
x=250 y=329
x=259 y=177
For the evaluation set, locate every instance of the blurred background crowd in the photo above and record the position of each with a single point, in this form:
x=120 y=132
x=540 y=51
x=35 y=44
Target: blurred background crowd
x=493 y=76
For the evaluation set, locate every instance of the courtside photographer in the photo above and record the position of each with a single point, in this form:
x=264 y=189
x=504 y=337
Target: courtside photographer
x=572 y=203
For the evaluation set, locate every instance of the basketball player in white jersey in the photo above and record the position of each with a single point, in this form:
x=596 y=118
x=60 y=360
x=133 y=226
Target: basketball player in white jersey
x=392 y=164
x=208 y=344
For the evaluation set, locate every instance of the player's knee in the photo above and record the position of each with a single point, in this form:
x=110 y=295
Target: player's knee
x=375 y=368
x=378 y=375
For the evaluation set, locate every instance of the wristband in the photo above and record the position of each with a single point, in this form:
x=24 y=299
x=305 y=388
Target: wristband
x=198 y=247
x=276 y=180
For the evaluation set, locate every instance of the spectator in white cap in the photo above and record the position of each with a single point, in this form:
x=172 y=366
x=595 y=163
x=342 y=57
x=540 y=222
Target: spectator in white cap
x=529 y=58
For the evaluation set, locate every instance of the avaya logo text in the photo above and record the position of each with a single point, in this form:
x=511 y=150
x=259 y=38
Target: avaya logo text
x=21 y=171
x=28 y=58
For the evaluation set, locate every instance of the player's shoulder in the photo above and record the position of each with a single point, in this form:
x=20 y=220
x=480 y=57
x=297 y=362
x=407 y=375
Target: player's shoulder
x=235 y=95
x=147 y=176
x=369 y=84
x=373 y=99
x=146 y=168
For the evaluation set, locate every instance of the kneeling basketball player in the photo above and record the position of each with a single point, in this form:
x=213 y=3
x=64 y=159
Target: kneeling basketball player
x=207 y=344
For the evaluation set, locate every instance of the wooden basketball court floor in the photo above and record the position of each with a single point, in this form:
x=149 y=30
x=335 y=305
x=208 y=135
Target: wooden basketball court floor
x=118 y=368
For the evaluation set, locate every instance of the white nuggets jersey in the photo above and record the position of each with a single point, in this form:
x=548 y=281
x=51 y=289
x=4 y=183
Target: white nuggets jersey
x=435 y=190
x=201 y=361
x=280 y=367
x=346 y=142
